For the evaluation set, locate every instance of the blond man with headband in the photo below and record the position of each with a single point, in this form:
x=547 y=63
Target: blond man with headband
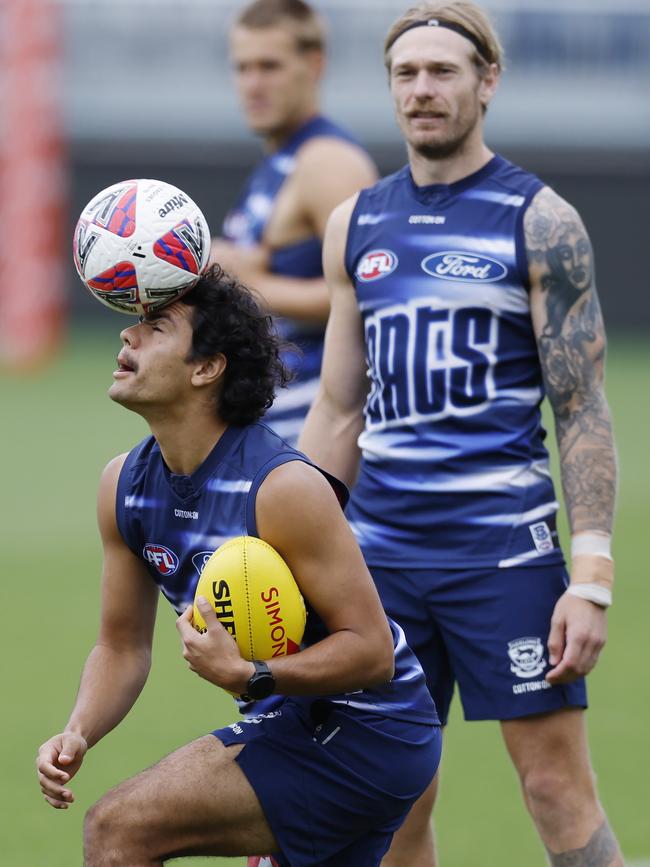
x=462 y=293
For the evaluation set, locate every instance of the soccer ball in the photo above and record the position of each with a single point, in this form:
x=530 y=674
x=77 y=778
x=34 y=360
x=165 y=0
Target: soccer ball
x=140 y=244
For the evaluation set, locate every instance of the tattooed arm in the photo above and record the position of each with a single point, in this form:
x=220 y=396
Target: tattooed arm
x=571 y=343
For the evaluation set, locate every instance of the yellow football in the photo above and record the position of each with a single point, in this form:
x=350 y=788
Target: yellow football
x=255 y=597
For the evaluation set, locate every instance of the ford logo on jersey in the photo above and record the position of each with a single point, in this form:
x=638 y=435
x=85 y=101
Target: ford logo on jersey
x=375 y=265
x=466 y=267
x=165 y=561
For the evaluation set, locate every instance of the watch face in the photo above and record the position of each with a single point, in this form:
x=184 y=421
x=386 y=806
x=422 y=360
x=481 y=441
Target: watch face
x=261 y=685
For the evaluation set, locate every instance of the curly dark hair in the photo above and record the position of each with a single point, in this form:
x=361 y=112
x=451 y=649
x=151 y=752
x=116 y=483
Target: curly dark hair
x=227 y=318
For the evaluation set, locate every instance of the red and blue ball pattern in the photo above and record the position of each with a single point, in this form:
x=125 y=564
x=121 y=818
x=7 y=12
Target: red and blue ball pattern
x=173 y=249
x=122 y=219
x=120 y=277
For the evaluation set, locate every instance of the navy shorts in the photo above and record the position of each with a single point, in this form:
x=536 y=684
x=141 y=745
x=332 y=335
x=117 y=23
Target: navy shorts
x=334 y=782
x=486 y=629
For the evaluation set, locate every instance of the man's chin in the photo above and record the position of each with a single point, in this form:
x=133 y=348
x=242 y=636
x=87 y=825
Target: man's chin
x=439 y=149
x=260 y=126
x=117 y=395
x=267 y=128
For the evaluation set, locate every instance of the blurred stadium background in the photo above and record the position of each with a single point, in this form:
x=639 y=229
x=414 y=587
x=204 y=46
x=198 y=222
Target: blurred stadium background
x=95 y=91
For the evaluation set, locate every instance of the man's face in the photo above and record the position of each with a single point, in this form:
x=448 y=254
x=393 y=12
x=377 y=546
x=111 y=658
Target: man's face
x=275 y=81
x=576 y=260
x=153 y=370
x=437 y=91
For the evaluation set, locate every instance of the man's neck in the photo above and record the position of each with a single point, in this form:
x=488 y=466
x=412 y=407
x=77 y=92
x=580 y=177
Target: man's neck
x=275 y=140
x=448 y=170
x=186 y=442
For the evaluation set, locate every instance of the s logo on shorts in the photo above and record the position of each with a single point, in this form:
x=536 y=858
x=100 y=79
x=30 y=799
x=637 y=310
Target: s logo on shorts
x=526 y=656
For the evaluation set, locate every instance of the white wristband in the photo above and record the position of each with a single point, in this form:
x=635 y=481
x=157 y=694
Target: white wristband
x=595 y=593
x=598 y=544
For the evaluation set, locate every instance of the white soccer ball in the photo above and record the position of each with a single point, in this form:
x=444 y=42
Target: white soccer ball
x=140 y=244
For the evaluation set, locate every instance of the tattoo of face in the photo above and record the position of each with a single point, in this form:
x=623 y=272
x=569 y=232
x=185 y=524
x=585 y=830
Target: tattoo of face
x=571 y=341
x=600 y=851
x=560 y=249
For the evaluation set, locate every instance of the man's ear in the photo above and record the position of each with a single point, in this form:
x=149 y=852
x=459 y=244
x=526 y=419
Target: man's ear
x=207 y=371
x=488 y=85
x=316 y=62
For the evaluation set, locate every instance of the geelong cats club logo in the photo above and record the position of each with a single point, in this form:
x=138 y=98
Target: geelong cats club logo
x=526 y=656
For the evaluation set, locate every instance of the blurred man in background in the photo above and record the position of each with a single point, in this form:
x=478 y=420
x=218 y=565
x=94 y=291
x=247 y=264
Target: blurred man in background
x=466 y=287
x=272 y=237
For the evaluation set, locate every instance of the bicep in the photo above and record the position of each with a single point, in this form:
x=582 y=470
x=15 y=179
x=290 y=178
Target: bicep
x=129 y=596
x=344 y=362
x=565 y=312
x=312 y=535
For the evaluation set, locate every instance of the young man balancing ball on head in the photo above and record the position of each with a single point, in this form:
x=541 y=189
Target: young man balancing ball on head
x=202 y=371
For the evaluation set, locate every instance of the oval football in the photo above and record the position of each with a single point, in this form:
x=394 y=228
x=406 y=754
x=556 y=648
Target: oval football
x=255 y=596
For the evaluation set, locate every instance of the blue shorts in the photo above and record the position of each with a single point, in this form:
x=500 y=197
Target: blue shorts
x=334 y=782
x=486 y=629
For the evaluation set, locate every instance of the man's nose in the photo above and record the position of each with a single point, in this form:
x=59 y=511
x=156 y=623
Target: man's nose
x=128 y=336
x=424 y=86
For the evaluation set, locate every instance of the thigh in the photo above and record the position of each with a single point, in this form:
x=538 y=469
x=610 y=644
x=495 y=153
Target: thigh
x=326 y=777
x=548 y=742
x=495 y=624
x=195 y=801
x=407 y=597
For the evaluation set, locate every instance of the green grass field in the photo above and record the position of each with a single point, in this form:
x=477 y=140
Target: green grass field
x=59 y=430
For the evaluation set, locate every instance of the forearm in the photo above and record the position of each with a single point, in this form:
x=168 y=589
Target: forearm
x=110 y=684
x=329 y=437
x=588 y=465
x=342 y=662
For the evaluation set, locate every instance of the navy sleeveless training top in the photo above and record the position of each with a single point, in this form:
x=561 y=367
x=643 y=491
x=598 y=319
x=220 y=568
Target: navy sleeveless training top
x=174 y=523
x=454 y=470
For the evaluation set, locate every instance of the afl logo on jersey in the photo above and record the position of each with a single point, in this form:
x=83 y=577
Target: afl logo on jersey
x=466 y=267
x=165 y=561
x=375 y=265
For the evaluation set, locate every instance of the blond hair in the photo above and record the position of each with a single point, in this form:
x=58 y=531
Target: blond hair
x=463 y=14
x=306 y=25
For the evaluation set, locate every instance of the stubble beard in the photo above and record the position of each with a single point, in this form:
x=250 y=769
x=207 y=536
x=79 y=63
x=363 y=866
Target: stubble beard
x=445 y=148
x=453 y=144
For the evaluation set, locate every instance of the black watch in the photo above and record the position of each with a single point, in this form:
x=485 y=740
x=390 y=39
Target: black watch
x=261 y=684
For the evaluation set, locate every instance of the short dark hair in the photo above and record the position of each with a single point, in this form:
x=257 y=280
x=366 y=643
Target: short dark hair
x=304 y=22
x=227 y=319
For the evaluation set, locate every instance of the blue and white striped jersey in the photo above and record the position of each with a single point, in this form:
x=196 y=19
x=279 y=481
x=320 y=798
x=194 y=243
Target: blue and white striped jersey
x=454 y=469
x=174 y=523
x=245 y=225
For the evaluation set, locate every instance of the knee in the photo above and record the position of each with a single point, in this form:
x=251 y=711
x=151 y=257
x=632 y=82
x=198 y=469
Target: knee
x=554 y=795
x=103 y=834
